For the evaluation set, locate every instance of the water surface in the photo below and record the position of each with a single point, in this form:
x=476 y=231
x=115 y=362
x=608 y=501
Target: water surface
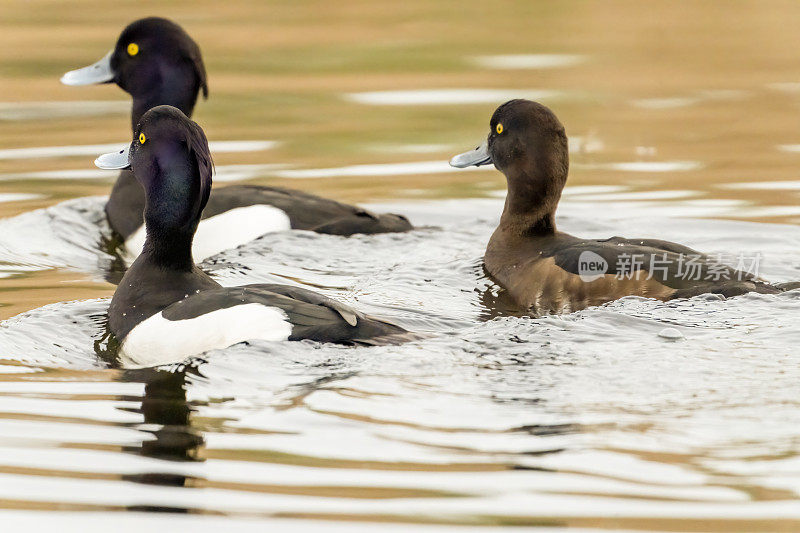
x=634 y=416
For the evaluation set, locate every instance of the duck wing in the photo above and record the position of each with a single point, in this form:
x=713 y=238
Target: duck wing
x=673 y=265
x=307 y=211
x=311 y=315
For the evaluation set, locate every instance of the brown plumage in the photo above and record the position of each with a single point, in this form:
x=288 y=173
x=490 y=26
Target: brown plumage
x=539 y=266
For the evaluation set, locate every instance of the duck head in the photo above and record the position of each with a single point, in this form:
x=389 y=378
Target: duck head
x=155 y=61
x=528 y=144
x=170 y=158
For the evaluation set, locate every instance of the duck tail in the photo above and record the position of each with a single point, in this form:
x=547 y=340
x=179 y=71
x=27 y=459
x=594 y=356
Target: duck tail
x=788 y=286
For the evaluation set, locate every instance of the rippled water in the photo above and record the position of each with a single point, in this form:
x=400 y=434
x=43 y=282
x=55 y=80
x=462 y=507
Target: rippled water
x=589 y=419
x=634 y=416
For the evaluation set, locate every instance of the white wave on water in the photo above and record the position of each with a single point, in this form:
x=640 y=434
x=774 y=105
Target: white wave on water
x=53 y=110
x=783 y=185
x=41 y=152
x=67 y=235
x=135 y=522
x=528 y=61
x=591 y=415
x=18 y=196
x=222 y=173
x=643 y=166
x=412 y=148
x=378 y=169
x=448 y=96
x=697 y=97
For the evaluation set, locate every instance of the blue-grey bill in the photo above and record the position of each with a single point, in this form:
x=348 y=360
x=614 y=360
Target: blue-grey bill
x=99 y=72
x=114 y=160
x=474 y=158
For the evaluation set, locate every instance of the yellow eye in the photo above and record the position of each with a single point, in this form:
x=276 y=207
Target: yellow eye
x=142 y=138
x=499 y=129
x=133 y=49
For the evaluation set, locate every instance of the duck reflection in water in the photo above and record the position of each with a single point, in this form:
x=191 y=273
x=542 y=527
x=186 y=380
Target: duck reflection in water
x=164 y=406
x=166 y=410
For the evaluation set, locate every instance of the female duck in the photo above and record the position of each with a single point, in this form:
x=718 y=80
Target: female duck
x=157 y=63
x=165 y=308
x=548 y=271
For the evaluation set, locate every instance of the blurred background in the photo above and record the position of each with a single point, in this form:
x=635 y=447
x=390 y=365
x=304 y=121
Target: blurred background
x=712 y=85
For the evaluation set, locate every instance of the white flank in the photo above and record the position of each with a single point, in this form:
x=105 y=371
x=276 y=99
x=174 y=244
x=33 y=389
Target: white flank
x=158 y=341
x=224 y=231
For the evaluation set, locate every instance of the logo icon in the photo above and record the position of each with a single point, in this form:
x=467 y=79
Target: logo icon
x=591 y=266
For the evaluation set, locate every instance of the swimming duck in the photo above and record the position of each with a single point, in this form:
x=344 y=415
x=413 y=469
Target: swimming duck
x=156 y=62
x=166 y=309
x=548 y=271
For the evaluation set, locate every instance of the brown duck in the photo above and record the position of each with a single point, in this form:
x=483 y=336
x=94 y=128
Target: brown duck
x=548 y=271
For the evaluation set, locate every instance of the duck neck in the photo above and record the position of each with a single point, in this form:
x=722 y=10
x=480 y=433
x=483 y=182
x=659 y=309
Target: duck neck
x=169 y=248
x=530 y=208
x=177 y=85
x=171 y=214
